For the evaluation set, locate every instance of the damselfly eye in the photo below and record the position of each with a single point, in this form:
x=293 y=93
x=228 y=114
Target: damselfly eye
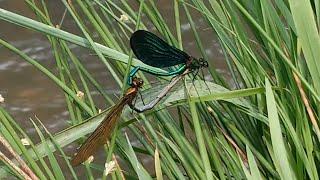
x=203 y=63
x=206 y=64
x=137 y=82
x=140 y=82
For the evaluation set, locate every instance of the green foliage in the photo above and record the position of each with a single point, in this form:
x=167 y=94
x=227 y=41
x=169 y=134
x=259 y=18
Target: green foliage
x=266 y=127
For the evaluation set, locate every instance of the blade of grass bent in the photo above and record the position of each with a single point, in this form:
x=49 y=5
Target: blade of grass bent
x=52 y=31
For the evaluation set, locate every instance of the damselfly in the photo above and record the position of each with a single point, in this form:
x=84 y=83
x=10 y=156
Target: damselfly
x=154 y=51
x=102 y=133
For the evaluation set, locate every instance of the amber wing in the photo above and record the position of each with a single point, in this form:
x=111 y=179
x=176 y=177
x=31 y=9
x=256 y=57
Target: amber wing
x=101 y=135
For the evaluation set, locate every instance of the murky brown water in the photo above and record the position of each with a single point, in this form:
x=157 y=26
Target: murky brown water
x=29 y=93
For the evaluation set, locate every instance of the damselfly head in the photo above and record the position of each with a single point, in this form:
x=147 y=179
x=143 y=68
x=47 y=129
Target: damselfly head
x=203 y=63
x=195 y=63
x=137 y=82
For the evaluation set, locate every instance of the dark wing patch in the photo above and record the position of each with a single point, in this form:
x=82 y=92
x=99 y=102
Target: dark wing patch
x=153 y=51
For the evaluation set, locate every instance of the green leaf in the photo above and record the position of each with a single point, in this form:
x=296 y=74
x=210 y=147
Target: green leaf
x=157 y=164
x=255 y=173
x=307 y=32
x=278 y=142
x=137 y=166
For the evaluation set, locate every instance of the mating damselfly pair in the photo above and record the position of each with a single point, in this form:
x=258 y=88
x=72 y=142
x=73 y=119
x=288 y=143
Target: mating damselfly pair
x=153 y=51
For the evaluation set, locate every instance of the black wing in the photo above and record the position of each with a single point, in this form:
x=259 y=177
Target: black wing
x=152 y=50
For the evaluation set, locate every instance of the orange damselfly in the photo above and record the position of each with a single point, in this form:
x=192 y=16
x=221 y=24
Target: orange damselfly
x=102 y=133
